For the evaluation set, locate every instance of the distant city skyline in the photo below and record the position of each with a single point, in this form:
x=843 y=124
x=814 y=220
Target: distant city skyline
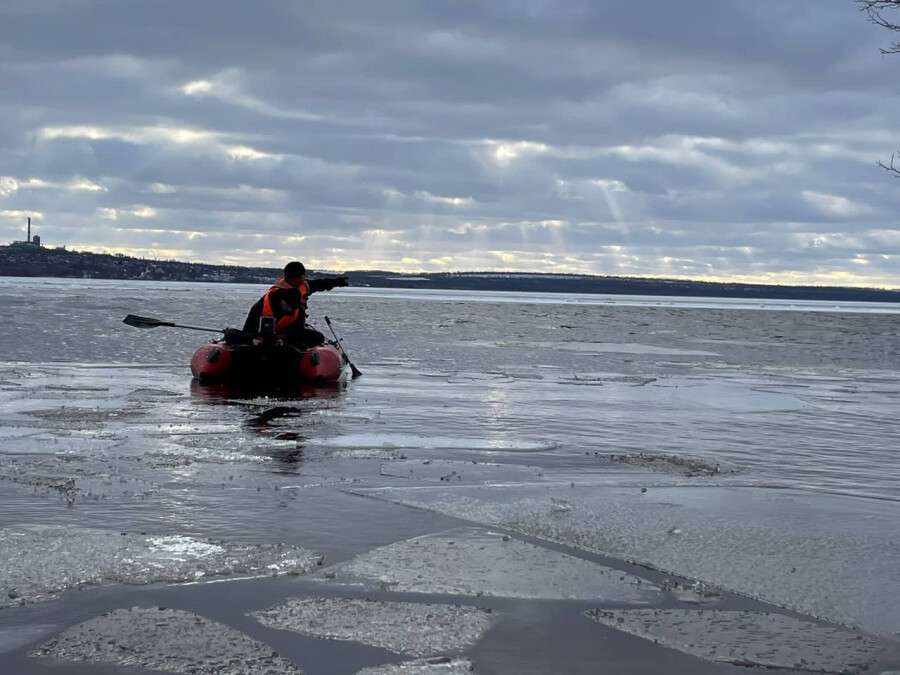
x=726 y=141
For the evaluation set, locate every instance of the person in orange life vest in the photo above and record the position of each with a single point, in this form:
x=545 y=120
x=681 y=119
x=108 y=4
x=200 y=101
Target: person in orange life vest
x=282 y=310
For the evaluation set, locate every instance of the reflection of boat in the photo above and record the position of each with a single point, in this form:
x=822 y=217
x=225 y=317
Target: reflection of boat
x=267 y=365
x=279 y=423
x=226 y=392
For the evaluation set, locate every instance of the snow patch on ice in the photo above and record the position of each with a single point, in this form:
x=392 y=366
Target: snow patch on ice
x=181 y=548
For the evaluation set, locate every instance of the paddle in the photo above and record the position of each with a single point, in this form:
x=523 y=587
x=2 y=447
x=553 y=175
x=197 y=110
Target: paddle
x=147 y=322
x=337 y=341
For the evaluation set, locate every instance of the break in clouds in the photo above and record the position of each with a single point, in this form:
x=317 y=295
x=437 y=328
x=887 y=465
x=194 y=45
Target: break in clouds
x=721 y=140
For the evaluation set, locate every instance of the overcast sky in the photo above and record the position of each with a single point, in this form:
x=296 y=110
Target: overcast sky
x=715 y=139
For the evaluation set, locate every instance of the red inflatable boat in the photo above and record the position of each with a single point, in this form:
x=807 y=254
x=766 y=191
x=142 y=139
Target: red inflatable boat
x=267 y=364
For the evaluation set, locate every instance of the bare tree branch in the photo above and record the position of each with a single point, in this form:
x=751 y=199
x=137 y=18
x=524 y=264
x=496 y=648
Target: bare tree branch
x=891 y=168
x=875 y=10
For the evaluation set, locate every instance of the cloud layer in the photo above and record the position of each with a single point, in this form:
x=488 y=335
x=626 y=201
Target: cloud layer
x=726 y=140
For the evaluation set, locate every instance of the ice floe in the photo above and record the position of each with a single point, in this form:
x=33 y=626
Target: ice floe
x=455 y=471
x=828 y=556
x=75 y=478
x=41 y=561
x=762 y=639
x=621 y=348
x=169 y=640
x=416 y=442
x=478 y=562
x=685 y=466
x=402 y=627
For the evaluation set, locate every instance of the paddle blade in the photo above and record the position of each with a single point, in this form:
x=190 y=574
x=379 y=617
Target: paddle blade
x=144 y=321
x=355 y=371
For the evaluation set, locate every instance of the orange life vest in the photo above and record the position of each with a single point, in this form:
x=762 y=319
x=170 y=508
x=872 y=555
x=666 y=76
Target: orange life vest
x=291 y=318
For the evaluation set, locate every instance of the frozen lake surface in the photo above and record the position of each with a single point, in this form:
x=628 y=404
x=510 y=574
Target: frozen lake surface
x=540 y=457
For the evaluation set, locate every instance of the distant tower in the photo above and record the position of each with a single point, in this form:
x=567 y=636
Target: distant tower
x=28 y=238
x=36 y=240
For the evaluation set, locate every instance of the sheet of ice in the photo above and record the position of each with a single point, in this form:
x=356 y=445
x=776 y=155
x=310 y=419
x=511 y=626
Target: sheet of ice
x=41 y=561
x=621 y=348
x=391 y=441
x=673 y=464
x=19 y=636
x=677 y=393
x=435 y=666
x=477 y=562
x=78 y=417
x=169 y=640
x=75 y=477
x=401 y=627
x=828 y=556
x=735 y=397
x=578 y=300
x=367 y=453
x=454 y=471
x=97 y=410
x=761 y=639
x=599 y=379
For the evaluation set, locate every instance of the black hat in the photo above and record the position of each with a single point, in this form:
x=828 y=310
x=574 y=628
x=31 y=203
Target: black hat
x=294 y=269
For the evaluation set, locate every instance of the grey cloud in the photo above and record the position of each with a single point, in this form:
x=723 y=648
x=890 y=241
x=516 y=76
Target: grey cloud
x=726 y=138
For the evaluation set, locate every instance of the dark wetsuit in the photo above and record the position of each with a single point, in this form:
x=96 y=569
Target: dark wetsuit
x=298 y=334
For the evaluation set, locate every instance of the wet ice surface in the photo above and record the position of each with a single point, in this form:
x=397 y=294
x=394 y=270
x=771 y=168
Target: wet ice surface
x=21 y=636
x=451 y=471
x=169 y=640
x=402 y=627
x=507 y=410
x=598 y=347
x=832 y=557
x=41 y=561
x=748 y=638
x=431 y=443
x=476 y=562
x=439 y=666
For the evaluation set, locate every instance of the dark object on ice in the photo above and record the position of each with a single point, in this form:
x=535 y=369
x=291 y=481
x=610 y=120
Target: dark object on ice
x=269 y=414
x=337 y=343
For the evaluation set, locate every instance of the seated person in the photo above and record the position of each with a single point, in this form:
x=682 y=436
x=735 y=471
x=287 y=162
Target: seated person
x=281 y=312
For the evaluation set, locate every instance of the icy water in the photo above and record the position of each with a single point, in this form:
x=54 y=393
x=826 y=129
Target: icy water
x=565 y=462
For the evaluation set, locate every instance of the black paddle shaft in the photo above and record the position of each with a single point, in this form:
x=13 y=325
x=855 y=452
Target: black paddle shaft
x=147 y=322
x=337 y=341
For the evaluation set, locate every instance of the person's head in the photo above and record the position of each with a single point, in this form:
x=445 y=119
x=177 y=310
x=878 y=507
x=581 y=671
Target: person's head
x=294 y=272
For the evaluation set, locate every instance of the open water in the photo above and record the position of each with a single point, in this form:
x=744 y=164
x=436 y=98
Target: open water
x=750 y=446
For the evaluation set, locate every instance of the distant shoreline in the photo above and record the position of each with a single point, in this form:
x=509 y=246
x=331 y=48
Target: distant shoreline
x=26 y=260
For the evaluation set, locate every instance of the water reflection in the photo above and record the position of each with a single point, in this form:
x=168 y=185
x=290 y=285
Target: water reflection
x=229 y=393
x=282 y=422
